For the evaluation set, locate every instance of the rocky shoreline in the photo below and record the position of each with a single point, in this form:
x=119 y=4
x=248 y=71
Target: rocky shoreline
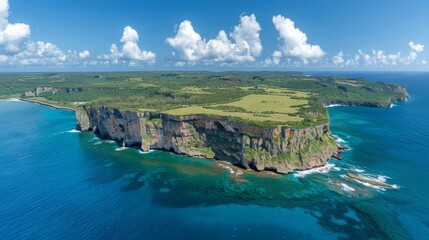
x=279 y=149
x=254 y=154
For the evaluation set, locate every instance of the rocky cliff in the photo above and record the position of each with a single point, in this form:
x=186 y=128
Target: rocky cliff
x=278 y=149
x=396 y=92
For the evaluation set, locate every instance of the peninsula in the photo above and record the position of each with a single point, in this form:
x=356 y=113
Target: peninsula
x=274 y=121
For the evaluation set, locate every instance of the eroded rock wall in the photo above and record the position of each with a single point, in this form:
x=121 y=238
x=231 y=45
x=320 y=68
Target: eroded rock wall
x=278 y=149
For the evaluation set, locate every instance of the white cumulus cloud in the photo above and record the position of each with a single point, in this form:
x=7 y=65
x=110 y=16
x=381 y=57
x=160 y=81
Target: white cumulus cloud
x=416 y=47
x=16 y=47
x=294 y=41
x=242 y=45
x=338 y=59
x=274 y=60
x=380 y=58
x=84 y=54
x=11 y=34
x=41 y=54
x=130 y=49
x=412 y=55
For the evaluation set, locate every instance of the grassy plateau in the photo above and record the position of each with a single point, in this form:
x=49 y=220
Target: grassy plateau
x=261 y=98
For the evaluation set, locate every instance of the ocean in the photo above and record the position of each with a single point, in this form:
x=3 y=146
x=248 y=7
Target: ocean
x=57 y=183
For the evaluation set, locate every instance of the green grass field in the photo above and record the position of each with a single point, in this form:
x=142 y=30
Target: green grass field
x=253 y=107
x=260 y=98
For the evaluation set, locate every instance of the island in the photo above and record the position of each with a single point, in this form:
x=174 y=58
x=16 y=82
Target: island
x=265 y=121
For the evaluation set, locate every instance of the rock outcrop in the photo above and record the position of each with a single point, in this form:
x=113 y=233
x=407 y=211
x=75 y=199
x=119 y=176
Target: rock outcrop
x=29 y=94
x=369 y=181
x=279 y=149
x=40 y=90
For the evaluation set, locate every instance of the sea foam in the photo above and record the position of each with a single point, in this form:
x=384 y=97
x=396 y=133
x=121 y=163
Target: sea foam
x=346 y=187
x=334 y=105
x=370 y=185
x=69 y=131
x=73 y=131
x=357 y=170
x=323 y=169
x=339 y=140
x=121 y=148
x=378 y=178
x=10 y=100
x=225 y=165
x=144 y=152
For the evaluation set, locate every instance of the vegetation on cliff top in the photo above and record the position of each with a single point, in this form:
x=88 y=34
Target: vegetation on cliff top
x=260 y=98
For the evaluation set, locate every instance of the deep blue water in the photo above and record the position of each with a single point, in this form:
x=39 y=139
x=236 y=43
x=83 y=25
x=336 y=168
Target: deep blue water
x=59 y=184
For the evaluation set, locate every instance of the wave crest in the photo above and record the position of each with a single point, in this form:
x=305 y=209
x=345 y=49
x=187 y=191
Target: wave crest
x=323 y=169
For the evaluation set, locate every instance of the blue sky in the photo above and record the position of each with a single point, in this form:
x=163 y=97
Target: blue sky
x=48 y=35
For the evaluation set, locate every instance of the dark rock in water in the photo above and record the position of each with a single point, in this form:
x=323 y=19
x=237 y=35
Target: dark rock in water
x=369 y=181
x=280 y=149
x=343 y=148
x=337 y=156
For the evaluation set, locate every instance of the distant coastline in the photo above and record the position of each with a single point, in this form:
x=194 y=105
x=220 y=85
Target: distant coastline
x=47 y=104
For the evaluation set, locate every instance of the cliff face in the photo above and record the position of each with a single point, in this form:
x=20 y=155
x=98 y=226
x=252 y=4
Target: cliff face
x=383 y=98
x=279 y=149
x=399 y=91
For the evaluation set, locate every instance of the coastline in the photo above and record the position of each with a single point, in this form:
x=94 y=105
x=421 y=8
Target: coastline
x=281 y=149
x=300 y=173
x=189 y=155
x=197 y=188
x=47 y=104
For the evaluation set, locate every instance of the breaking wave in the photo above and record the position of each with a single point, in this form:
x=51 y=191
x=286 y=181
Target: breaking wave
x=357 y=170
x=339 y=140
x=334 y=105
x=121 y=148
x=323 y=169
x=143 y=152
x=73 y=131
x=376 y=178
x=10 y=100
x=346 y=187
x=225 y=165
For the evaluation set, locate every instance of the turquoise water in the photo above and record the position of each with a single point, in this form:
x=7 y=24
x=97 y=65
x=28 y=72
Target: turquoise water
x=61 y=184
